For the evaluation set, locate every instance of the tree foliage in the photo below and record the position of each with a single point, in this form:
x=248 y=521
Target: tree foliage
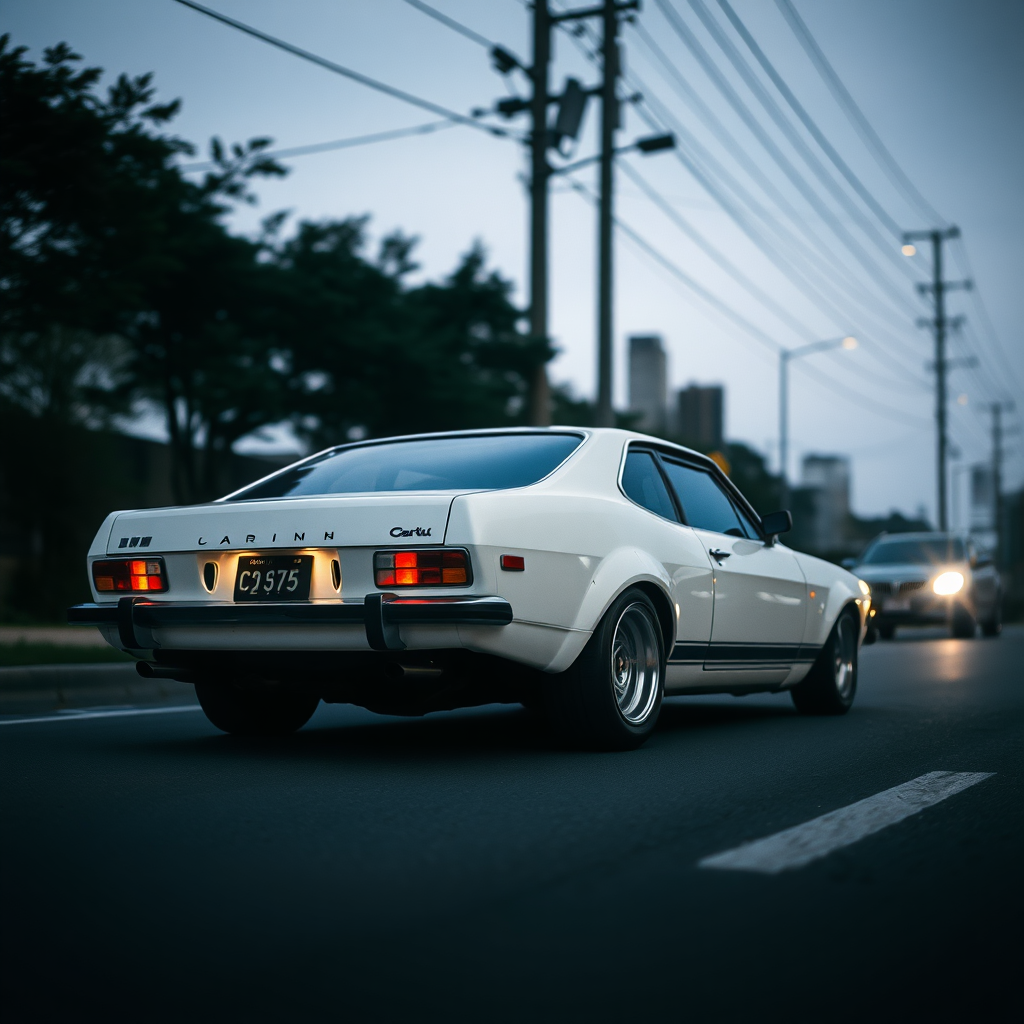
x=122 y=285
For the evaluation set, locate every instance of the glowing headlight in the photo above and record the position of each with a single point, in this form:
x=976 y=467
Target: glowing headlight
x=948 y=583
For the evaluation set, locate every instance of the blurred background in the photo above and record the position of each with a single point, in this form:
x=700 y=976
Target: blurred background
x=234 y=234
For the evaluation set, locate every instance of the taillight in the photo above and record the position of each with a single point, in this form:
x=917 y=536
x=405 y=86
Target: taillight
x=424 y=568
x=130 y=575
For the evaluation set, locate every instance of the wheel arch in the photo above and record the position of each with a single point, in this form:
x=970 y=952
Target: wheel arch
x=664 y=609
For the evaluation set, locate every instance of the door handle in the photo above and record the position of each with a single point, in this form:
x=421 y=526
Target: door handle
x=718 y=553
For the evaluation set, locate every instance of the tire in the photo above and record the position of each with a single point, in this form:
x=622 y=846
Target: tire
x=611 y=696
x=993 y=625
x=255 y=712
x=887 y=632
x=964 y=625
x=831 y=685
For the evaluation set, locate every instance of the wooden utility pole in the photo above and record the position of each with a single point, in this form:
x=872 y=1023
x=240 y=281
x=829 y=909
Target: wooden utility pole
x=540 y=394
x=938 y=288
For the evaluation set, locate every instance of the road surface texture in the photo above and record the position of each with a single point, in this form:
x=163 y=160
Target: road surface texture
x=456 y=867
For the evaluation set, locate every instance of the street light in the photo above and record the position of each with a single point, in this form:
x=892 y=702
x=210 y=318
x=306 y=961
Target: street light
x=786 y=356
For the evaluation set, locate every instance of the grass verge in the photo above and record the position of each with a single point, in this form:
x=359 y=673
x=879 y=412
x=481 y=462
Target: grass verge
x=22 y=653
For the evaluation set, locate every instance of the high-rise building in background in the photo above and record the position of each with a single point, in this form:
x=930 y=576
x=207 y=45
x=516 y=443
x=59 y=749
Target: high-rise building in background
x=648 y=382
x=827 y=478
x=700 y=414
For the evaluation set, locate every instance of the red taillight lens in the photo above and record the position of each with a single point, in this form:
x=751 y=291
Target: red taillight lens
x=429 y=568
x=128 y=576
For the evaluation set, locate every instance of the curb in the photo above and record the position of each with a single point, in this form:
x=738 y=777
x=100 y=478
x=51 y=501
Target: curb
x=52 y=687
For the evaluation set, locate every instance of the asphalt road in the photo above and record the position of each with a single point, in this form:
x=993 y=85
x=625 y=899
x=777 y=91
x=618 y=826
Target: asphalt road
x=456 y=867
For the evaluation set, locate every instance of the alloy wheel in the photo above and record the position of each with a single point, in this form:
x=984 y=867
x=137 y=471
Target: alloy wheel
x=636 y=666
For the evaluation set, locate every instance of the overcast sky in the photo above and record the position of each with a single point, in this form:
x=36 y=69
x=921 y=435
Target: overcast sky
x=940 y=81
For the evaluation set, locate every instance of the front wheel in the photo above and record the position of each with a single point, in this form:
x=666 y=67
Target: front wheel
x=830 y=686
x=611 y=696
x=993 y=625
x=964 y=624
x=244 y=711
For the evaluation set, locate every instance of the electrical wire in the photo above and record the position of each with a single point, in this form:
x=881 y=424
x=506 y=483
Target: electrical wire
x=325 y=147
x=796 y=141
x=711 y=69
x=659 y=121
x=716 y=173
x=745 y=325
x=856 y=117
x=798 y=328
x=808 y=122
x=457 y=26
x=340 y=69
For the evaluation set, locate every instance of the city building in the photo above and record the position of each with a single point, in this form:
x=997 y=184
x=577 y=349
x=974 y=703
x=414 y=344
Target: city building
x=700 y=414
x=648 y=382
x=827 y=479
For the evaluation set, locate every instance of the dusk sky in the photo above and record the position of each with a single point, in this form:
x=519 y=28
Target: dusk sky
x=940 y=81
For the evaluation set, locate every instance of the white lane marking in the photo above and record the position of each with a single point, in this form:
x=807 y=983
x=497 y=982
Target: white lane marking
x=77 y=716
x=797 y=846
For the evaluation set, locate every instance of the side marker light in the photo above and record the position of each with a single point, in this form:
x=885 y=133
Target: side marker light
x=513 y=563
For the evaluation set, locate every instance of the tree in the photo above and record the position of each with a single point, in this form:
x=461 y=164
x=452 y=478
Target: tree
x=370 y=355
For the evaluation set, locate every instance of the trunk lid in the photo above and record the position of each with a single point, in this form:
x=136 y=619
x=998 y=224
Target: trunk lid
x=379 y=520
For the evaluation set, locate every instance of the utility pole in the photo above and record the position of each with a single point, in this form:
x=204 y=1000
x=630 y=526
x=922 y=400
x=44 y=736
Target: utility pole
x=540 y=396
x=571 y=105
x=609 y=122
x=997 y=409
x=938 y=288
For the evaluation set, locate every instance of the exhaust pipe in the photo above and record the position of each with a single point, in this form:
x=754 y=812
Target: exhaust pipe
x=148 y=670
x=402 y=670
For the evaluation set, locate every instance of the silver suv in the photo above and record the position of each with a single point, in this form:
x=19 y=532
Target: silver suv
x=929 y=578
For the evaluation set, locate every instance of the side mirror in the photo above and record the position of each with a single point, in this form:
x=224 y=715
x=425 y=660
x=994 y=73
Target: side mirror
x=775 y=523
x=849 y=563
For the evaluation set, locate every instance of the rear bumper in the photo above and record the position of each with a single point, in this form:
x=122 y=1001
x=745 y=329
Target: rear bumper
x=380 y=614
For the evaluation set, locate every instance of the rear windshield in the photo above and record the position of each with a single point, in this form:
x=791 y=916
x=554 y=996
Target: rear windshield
x=916 y=552
x=490 y=462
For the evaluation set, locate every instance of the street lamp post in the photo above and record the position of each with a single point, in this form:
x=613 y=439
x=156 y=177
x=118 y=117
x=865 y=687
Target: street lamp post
x=786 y=356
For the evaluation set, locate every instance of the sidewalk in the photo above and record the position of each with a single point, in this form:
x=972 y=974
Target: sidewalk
x=38 y=688
x=59 y=636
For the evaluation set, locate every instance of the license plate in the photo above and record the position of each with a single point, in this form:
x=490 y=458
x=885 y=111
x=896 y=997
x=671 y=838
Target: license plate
x=273 y=577
x=896 y=604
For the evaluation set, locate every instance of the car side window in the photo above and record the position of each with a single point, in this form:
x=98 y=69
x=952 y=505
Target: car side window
x=705 y=505
x=642 y=481
x=752 y=531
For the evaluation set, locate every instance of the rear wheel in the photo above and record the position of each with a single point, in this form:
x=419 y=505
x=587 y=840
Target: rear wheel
x=611 y=696
x=830 y=686
x=244 y=711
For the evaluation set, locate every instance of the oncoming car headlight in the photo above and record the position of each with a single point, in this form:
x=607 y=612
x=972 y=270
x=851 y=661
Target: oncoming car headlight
x=948 y=583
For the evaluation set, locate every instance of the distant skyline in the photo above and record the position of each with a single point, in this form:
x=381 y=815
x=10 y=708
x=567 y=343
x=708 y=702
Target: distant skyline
x=940 y=81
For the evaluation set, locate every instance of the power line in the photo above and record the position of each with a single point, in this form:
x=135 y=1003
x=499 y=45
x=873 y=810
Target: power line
x=854 y=290
x=814 y=291
x=457 y=26
x=802 y=186
x=324 y=147
x=340 y=69
x=723 y=309
x=796 y=141
x=733 y=271
x=658 y=120
x=964 y=263
x=808 y=122
x=860 y=123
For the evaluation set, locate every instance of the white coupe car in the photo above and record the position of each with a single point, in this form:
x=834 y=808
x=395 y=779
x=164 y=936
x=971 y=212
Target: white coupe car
x=583 y=572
